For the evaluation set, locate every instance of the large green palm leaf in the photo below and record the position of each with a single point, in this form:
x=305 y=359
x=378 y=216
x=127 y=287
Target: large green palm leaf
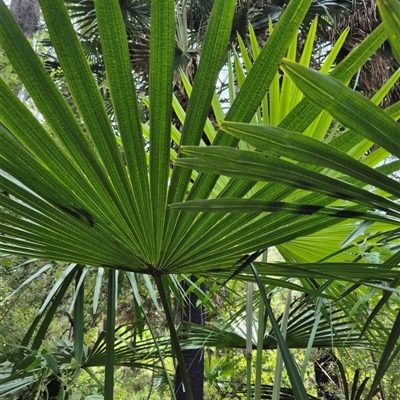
x=96 y=194
x=80 y=189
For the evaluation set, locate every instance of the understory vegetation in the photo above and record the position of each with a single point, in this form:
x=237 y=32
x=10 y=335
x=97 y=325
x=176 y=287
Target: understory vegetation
x=199 y=199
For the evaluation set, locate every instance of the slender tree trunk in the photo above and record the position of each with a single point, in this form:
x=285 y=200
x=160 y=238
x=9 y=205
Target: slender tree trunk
x=325 y=376
x=194 y=358
x=27 y=14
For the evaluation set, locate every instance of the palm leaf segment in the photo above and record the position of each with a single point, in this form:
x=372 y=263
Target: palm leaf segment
x=77 y=188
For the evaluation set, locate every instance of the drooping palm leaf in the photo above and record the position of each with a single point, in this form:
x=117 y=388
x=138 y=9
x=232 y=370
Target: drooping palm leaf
x=128 y=353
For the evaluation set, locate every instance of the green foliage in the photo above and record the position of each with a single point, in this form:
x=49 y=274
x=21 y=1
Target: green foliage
x=7 y=73
x=90 y=191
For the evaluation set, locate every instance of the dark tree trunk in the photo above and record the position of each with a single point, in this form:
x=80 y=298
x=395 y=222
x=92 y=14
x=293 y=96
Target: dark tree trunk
x=27 y=14
x=325 y=376
x=194 y=359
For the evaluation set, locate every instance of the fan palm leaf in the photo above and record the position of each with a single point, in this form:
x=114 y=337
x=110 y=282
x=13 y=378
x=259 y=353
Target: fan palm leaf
x=83 y=190
x=82 y=178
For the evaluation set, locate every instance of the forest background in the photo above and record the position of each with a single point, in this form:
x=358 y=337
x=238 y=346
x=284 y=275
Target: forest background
x=343 y=332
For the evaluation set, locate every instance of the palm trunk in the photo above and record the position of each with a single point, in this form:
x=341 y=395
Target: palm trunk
x=194 y=358
x=325 y=376
x=27 y=14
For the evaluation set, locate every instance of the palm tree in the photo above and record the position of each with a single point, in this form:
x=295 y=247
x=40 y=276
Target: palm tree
x=191 y=21
x=73 y=196
x=362 y=19
x=258 y=14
